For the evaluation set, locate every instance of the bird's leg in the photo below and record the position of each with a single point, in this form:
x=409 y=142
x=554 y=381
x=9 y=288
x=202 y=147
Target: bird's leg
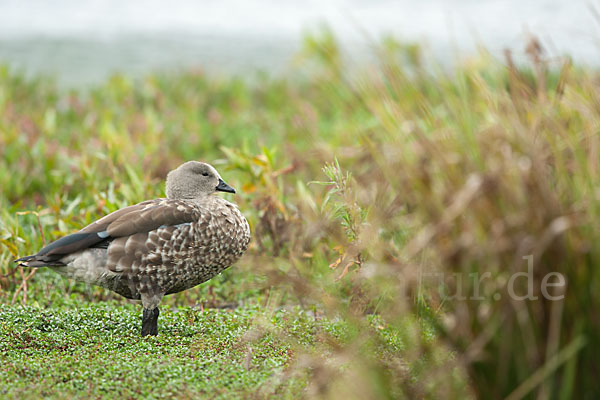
x=150 y=322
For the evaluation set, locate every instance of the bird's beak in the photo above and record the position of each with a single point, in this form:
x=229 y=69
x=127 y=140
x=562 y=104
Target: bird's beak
x=223 y=187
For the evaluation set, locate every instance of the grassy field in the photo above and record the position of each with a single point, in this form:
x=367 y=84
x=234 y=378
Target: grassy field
x=411 y=231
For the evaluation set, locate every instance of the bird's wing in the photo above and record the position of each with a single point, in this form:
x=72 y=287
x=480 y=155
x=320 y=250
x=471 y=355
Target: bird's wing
x=140 y=218
x=143 y=217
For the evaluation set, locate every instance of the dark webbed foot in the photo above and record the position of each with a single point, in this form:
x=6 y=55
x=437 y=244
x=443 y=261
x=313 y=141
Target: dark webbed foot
x=150 y=322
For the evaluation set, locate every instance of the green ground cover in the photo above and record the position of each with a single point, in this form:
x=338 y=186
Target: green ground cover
x=94 y=349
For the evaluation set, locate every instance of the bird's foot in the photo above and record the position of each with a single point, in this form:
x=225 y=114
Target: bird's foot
x=150 y=322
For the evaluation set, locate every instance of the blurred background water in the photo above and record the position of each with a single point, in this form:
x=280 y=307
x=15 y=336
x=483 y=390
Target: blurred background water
x=81 y=42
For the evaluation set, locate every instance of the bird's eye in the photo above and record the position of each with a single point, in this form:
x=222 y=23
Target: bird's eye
x=205 y=174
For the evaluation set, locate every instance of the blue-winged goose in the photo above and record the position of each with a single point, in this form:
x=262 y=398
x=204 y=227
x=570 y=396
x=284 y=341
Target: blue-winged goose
x=156 y=247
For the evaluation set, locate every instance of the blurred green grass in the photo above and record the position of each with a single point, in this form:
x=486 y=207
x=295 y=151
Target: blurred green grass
x=359 y=187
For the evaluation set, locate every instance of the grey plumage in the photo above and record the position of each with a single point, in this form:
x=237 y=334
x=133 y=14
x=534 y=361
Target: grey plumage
x=156 y=247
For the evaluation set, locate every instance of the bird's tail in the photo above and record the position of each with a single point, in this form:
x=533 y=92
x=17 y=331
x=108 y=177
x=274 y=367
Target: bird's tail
x=36 y=261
